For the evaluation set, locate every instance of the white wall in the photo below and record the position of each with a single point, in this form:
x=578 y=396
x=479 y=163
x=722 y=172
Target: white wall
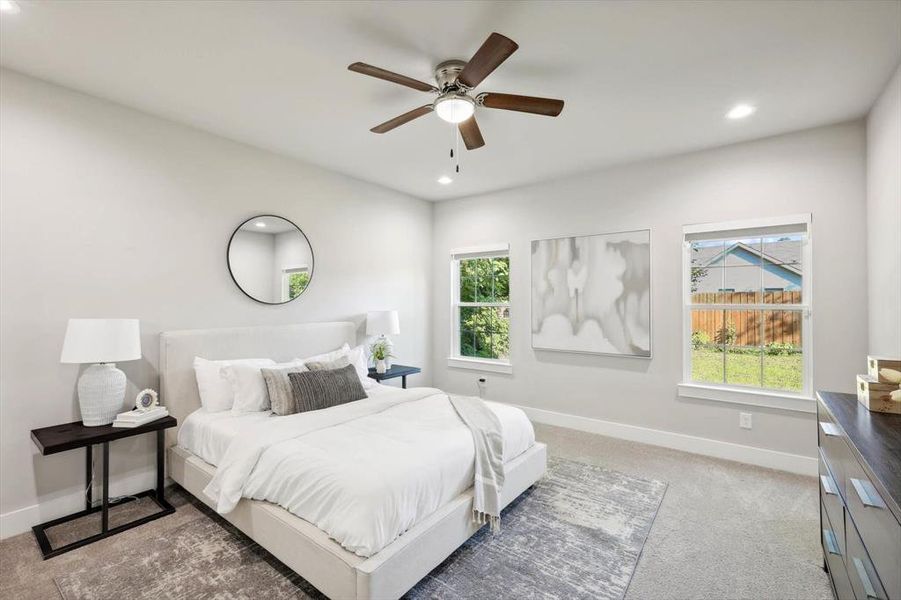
x=884 y=220
x=108 y=212
x=819 y=171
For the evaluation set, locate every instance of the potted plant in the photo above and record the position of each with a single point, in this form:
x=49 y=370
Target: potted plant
x=381 y=352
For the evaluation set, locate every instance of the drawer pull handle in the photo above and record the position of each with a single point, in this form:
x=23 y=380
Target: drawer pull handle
x=831 y=544
x=830 y=429
x=828 y=485
x=865 y=579
x=867 y=493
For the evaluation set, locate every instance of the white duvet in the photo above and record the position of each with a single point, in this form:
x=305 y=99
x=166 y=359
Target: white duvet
x=363 y=472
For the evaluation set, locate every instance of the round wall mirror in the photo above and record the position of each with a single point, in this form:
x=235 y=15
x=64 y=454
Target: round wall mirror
x=270 y=259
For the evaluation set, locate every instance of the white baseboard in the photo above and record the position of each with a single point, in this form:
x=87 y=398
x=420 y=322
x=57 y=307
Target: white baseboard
x=762 y=457
x=19 y=521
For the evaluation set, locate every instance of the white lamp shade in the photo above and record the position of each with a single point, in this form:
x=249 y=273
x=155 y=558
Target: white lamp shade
x=382 y=322
x=101 y=341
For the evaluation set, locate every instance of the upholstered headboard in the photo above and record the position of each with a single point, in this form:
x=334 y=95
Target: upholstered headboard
x=178 y=386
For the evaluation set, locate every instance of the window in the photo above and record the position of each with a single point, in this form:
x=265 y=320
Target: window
x=747 y=300
x=480 y=308
x=294 y=282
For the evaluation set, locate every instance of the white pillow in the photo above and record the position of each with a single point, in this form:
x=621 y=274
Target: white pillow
x=248 y=385
x=357 y=356
x=327 y=356
x=216 y=392
x=360 y=360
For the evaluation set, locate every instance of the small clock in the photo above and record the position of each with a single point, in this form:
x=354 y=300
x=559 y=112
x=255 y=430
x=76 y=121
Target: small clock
x=147 y=399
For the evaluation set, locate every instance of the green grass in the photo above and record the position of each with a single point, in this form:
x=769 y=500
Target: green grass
x=743 y=368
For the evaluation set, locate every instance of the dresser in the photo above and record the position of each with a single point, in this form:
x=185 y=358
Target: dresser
x=860 y=497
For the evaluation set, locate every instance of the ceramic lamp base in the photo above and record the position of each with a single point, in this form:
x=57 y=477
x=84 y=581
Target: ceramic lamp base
x=101 y=390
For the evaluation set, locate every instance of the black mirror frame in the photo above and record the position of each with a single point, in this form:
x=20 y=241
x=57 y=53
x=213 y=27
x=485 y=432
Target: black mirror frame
x=232 y=274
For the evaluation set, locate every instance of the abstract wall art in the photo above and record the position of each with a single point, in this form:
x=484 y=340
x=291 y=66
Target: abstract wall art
x=592 y=294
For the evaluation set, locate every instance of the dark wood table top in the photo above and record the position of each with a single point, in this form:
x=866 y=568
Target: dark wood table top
x=394 y=371
x=69 y=436
x=876 y=439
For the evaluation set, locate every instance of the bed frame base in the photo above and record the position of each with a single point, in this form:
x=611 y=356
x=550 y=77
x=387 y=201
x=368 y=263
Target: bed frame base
x=340 y=574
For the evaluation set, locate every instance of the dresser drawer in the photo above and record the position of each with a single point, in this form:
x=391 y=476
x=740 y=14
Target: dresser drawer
x=877 y=527
x=834 y=448
x=835 y=560
x=861 y=571
x=832 y=501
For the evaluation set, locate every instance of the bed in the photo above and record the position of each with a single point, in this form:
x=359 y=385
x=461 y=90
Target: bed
x=336 y=571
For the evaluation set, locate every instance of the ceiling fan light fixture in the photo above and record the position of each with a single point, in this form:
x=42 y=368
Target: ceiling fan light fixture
x=454 y=108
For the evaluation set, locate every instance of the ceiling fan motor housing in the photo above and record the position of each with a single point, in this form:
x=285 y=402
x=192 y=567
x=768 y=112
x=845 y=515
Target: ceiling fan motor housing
x=447 y=72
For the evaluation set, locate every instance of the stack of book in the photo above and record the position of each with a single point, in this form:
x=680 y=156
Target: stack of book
x=136 y=418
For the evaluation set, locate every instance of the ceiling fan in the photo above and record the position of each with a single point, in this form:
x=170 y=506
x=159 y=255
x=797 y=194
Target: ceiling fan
x=456 y=80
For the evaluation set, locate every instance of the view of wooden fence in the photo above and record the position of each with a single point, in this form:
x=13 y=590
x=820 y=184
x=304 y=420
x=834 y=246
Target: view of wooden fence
x=778 y=326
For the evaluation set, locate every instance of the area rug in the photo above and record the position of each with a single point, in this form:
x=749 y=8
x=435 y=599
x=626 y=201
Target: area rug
x=577 y=534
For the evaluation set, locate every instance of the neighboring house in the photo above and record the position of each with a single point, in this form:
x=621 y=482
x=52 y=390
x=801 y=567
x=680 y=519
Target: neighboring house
x=736 y=267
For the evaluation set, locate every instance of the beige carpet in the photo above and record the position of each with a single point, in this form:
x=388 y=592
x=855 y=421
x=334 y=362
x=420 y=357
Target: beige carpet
x=724 y=530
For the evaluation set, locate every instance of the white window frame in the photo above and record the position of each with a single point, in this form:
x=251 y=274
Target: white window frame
x=498 y=250
x=802 y=401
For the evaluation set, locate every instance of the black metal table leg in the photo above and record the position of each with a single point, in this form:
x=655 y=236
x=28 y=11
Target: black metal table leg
x=403 y=382
x=160 y=464
x=104 y=515
x=88 y=477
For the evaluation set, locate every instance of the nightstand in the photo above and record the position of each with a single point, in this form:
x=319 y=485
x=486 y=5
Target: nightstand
x=71 y=436
x=395 y=371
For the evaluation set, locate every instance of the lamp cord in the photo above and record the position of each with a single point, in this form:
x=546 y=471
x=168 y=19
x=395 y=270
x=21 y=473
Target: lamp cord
x=90 y=486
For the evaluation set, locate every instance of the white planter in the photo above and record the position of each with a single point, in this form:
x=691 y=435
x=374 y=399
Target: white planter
x=380 y=367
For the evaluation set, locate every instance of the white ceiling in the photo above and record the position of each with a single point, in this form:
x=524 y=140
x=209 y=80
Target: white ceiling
x=640 y=79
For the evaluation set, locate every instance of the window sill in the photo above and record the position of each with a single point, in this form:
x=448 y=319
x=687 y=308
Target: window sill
x=480 y=364
x=767 y=399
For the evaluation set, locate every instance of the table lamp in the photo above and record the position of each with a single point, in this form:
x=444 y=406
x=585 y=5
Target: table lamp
x=101 y=343
x=383 y=323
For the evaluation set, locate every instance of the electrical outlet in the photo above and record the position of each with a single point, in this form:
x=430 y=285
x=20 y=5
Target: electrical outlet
x=744 y=420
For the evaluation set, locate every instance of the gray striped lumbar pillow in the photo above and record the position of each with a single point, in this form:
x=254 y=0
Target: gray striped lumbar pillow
x=281 y=396
x=314 y=390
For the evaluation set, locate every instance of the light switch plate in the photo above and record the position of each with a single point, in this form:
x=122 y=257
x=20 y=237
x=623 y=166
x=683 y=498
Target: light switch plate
x=744 y=420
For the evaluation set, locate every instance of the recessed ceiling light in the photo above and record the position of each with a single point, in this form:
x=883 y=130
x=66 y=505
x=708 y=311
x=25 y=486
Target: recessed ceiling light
x=445 y=180
x=8 y=6
x=260 y=224
x=740 y=111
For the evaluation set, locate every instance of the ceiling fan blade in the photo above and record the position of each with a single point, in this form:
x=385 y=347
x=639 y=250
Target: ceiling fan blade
x=471 y=134
x=365 y=69
x=530 y=104
x=400 y=120
x=496 y=49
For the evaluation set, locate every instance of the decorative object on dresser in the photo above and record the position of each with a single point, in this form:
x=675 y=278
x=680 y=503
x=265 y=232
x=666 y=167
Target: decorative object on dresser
x=383 y=323
x=395 y=371
x=878 y=390
x=592 y=293
x=878 y=365
x=860 y=497
x=101 y=388
x=270 y=259
x=71 y=436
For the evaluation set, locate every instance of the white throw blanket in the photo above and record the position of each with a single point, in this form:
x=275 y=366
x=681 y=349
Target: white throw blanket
x=488 y=438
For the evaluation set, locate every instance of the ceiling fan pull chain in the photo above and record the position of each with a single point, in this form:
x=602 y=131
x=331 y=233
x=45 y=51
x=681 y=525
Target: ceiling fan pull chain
x=457 y=143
